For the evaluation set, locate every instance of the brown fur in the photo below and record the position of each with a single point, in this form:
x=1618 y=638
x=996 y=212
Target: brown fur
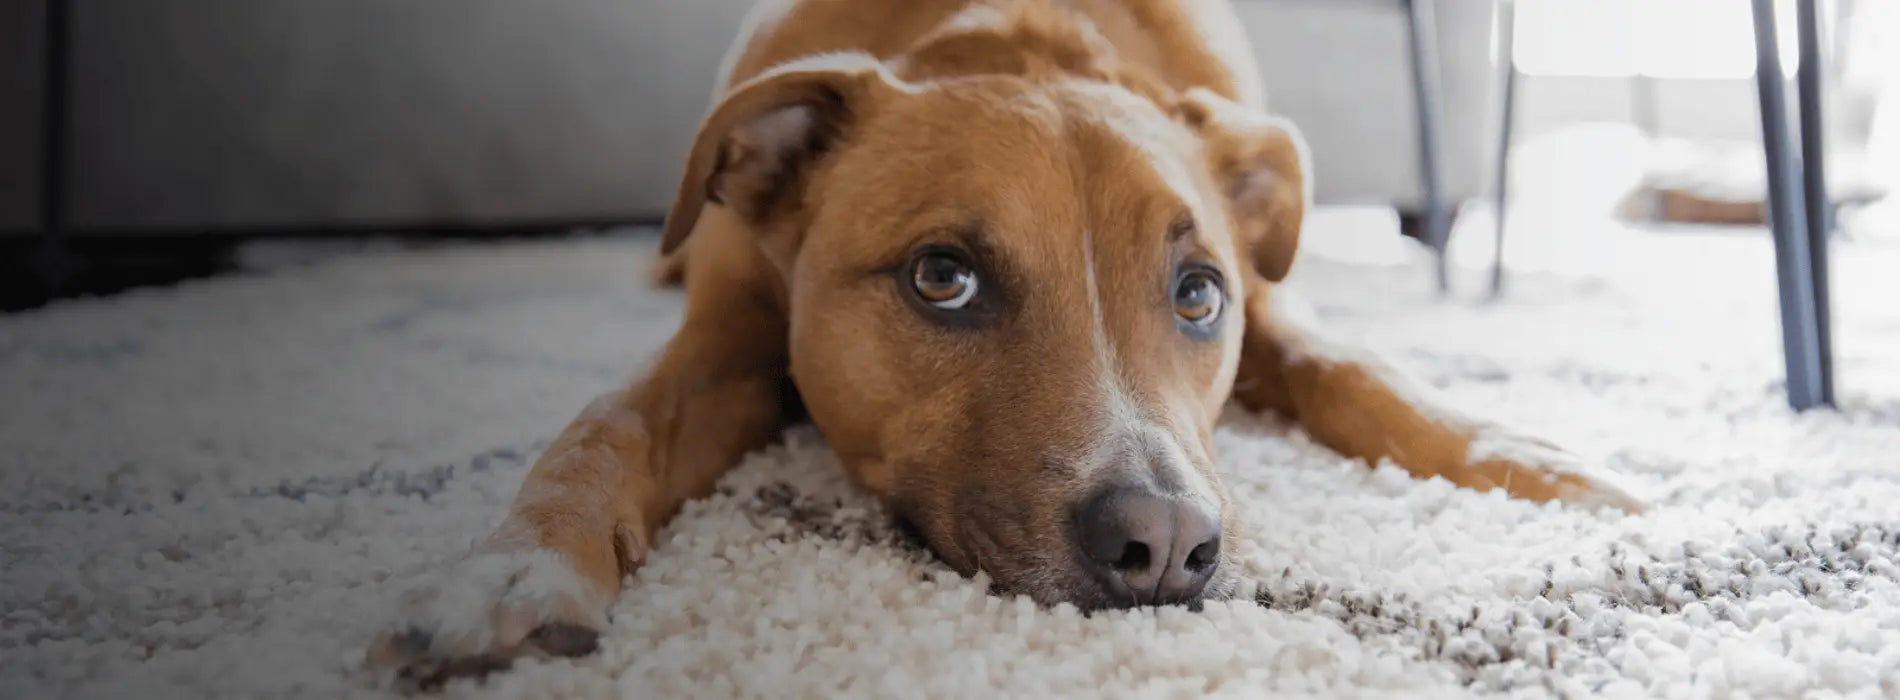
x=1079 y=151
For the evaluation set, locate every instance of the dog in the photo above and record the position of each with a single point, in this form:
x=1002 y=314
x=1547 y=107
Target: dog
x=1012 y=258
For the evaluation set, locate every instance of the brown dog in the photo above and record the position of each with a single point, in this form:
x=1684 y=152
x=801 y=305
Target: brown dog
x=1013 y=256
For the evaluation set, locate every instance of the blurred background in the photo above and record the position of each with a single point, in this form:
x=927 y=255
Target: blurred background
x=145 y=142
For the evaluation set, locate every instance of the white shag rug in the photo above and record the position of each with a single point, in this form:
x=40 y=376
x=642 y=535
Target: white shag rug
x=220 y=490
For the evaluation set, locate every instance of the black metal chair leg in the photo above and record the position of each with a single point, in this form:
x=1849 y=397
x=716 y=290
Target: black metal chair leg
x=1820 y=208
x=1507 y=41
x=1788 y=218
x=1424 y=43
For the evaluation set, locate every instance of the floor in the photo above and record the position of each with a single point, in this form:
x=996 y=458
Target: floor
x=220 y=489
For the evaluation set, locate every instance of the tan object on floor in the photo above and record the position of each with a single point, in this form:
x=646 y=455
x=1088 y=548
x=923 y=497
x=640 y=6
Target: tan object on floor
x=1717 y=183
x=1689 y=206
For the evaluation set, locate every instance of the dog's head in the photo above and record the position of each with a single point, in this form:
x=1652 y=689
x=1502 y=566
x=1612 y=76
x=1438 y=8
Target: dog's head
x=1015 y=304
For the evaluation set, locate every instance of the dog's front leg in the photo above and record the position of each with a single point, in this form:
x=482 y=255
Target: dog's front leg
x=1355 y=404
x=542 y=582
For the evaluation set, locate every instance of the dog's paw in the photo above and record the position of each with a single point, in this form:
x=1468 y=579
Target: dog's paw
x=484 y=612
x=1527 y=467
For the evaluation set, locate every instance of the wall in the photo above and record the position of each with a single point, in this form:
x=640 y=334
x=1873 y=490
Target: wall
x=1342 y=72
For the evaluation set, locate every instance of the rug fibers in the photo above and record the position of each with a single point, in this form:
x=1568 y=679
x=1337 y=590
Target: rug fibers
x=221 y=490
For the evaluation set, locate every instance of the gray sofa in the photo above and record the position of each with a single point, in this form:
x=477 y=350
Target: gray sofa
x=248 y=115
x=21 y=48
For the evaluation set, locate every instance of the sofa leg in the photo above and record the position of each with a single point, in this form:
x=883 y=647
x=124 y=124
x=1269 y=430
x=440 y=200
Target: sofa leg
x=1415 y=223
x=1424 y=44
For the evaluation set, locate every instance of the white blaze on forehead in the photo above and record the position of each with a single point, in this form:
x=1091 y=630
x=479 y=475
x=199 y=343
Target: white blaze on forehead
x=978 y=15
x=1125 y=424
x=1122 y=419
x=1167 y=147
x=1132 y=117
x=992 y=15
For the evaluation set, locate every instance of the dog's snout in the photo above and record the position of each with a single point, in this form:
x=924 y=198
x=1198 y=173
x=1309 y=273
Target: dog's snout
x=1162 y=550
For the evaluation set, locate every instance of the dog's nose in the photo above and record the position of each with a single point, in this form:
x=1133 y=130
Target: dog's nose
x=1163 y=549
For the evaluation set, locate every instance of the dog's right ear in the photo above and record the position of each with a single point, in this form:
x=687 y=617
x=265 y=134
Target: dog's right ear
x=755 y=152
x=1262 y=164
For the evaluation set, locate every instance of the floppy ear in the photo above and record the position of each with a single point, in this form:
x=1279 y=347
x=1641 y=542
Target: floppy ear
x=1260 y=163
x=755 y=150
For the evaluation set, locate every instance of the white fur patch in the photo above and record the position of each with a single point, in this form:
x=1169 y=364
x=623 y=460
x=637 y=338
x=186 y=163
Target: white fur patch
x=976 y=16
x=1303 y=340
x=1550 y=462
x=1125 y=423
x=1138 y=122
x=492 y=600
x=1530 y=453
x=607 y=414
x=1180 y=468
x=838 y=61
x=829 y=60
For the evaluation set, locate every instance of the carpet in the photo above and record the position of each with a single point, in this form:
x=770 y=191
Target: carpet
x=221 y=489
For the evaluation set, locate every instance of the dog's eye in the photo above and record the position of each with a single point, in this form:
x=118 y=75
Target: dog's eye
x=1198 y=298
x=943 y=280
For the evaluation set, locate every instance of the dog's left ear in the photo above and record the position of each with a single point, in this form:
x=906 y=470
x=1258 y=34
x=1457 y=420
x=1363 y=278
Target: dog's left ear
x=1260 y=163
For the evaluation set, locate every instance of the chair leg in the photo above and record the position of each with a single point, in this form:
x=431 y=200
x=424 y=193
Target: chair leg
x=1507 y=98
x=1814 y=186
x=1424 y=45
x=1787 y=217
